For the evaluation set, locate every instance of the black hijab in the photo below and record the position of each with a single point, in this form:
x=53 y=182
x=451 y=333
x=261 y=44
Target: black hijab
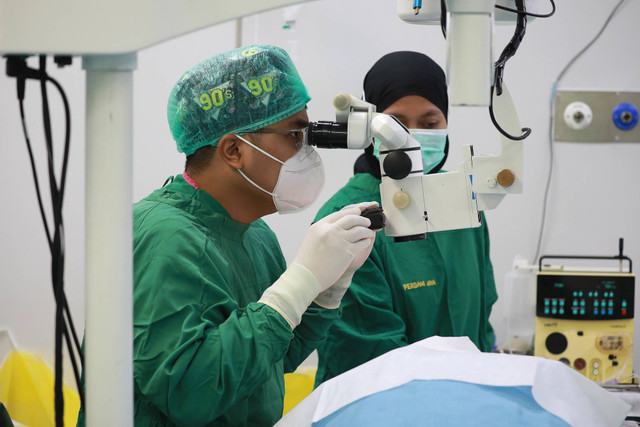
x=394 y=76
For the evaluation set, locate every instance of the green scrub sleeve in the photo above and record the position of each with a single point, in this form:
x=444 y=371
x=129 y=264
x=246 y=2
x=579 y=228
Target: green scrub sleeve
x=197 y=353
x=309 y=334
x=368 y=327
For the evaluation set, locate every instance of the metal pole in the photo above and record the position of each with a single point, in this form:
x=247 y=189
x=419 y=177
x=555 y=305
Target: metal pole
x=109 y=253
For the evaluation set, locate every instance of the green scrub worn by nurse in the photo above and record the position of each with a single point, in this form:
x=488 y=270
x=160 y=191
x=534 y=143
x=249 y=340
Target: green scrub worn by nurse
x=408 y=291
x=218 y=316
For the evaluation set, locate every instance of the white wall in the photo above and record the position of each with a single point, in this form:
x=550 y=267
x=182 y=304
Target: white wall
x=334 y=42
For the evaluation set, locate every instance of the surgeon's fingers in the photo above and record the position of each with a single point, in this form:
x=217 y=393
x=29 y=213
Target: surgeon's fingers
x=360 y=246
x=331 y=218
x=355 y=234
x=350 y=221
x=362 y=206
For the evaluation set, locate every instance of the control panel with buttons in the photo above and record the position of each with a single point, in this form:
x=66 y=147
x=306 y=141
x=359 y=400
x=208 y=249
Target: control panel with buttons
x=583 y=296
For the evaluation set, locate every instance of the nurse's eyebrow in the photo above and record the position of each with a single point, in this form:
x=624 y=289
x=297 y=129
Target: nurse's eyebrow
x=427 y=114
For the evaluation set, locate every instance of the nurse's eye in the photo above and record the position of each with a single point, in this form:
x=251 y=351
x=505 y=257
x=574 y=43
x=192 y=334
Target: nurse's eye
x=431 y=125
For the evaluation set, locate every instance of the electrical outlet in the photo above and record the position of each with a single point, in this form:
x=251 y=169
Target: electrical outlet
x=596 y=116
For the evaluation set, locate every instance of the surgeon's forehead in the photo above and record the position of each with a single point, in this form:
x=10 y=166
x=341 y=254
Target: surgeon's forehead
x=295 y=121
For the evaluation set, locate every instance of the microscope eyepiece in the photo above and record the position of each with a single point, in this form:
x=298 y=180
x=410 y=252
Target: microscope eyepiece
x=327 y=134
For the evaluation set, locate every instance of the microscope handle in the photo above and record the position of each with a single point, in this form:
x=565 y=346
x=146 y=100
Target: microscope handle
x=376 y=216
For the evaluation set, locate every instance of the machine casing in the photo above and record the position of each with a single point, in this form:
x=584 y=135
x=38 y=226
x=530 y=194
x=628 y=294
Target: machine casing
x=585 y=320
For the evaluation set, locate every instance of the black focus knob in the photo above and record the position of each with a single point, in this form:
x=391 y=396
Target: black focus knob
x=556 y=343
x=376 y=216
x=397 y=164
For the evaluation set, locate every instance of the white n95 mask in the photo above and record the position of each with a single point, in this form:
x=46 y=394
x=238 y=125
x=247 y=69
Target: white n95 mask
x=300 y=180
x=432 y=144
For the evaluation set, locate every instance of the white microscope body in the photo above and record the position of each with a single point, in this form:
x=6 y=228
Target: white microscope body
x=413 y=203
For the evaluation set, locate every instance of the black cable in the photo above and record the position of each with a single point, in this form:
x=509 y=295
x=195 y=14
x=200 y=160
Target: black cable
x=535 y=15
x=64 y=329
x=443 y=18
x=74 y=335
x=525 y=131
x=35 y=175
x=70 y=326
x=74 y=363
x=67 y=143
x=61 y=197
x=551 y=117
x=510 y=50
x=56 y=257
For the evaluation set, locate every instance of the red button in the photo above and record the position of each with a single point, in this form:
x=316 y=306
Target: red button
x=624 y=312
x=579 y=364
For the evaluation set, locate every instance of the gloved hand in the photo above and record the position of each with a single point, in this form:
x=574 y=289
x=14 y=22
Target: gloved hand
x=328 y=249
x=331 y=297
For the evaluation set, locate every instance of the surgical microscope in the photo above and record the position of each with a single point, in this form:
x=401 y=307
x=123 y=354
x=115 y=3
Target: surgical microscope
x=415 y=204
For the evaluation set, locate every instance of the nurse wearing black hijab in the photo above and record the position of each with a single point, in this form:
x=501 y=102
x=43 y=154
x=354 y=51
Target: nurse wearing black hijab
x=413 y=88
x=409 y=291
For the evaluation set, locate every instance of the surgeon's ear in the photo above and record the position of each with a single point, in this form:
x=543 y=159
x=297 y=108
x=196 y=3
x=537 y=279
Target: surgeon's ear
x=230 y=149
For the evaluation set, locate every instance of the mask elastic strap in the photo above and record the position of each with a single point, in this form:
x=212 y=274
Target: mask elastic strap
x=262 y=151
x=254 y=184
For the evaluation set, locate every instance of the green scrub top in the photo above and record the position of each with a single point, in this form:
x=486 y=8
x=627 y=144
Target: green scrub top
x=205 y=352
x=405 y=292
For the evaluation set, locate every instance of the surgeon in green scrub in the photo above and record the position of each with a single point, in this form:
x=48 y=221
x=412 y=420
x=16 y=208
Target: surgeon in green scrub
x=409 y=291
x=218 y=315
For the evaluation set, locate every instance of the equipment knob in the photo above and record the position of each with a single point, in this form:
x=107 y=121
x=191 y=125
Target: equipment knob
x=506 y=177
x=376 y=216
x=556 y=343
x=401 y=199
x=397 y=164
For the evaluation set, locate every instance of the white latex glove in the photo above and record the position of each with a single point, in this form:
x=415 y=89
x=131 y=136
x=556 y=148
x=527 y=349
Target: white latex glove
x=327 y=250
x=331 y=297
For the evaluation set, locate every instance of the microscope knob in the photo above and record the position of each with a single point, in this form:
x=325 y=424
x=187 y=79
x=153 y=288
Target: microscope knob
x=401 y=199
x=556 y=343
x=506 y=178
x=397 y=164
x=376 y=216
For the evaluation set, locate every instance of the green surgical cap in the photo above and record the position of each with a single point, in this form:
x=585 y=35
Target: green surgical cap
x=241 y=90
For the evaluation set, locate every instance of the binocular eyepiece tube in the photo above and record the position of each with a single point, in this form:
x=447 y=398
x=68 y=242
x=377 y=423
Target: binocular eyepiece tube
x=326 y=134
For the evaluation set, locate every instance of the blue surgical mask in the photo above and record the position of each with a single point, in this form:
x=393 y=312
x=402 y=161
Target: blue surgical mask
x=432 y=144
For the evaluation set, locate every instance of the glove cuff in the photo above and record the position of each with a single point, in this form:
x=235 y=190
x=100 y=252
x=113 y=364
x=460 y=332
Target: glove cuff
x=292 y=293
x=332 y=297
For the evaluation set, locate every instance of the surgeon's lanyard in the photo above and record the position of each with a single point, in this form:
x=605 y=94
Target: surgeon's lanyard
x=190 y=181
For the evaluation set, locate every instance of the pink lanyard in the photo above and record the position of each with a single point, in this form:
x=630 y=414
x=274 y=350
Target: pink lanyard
x=190 y=181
